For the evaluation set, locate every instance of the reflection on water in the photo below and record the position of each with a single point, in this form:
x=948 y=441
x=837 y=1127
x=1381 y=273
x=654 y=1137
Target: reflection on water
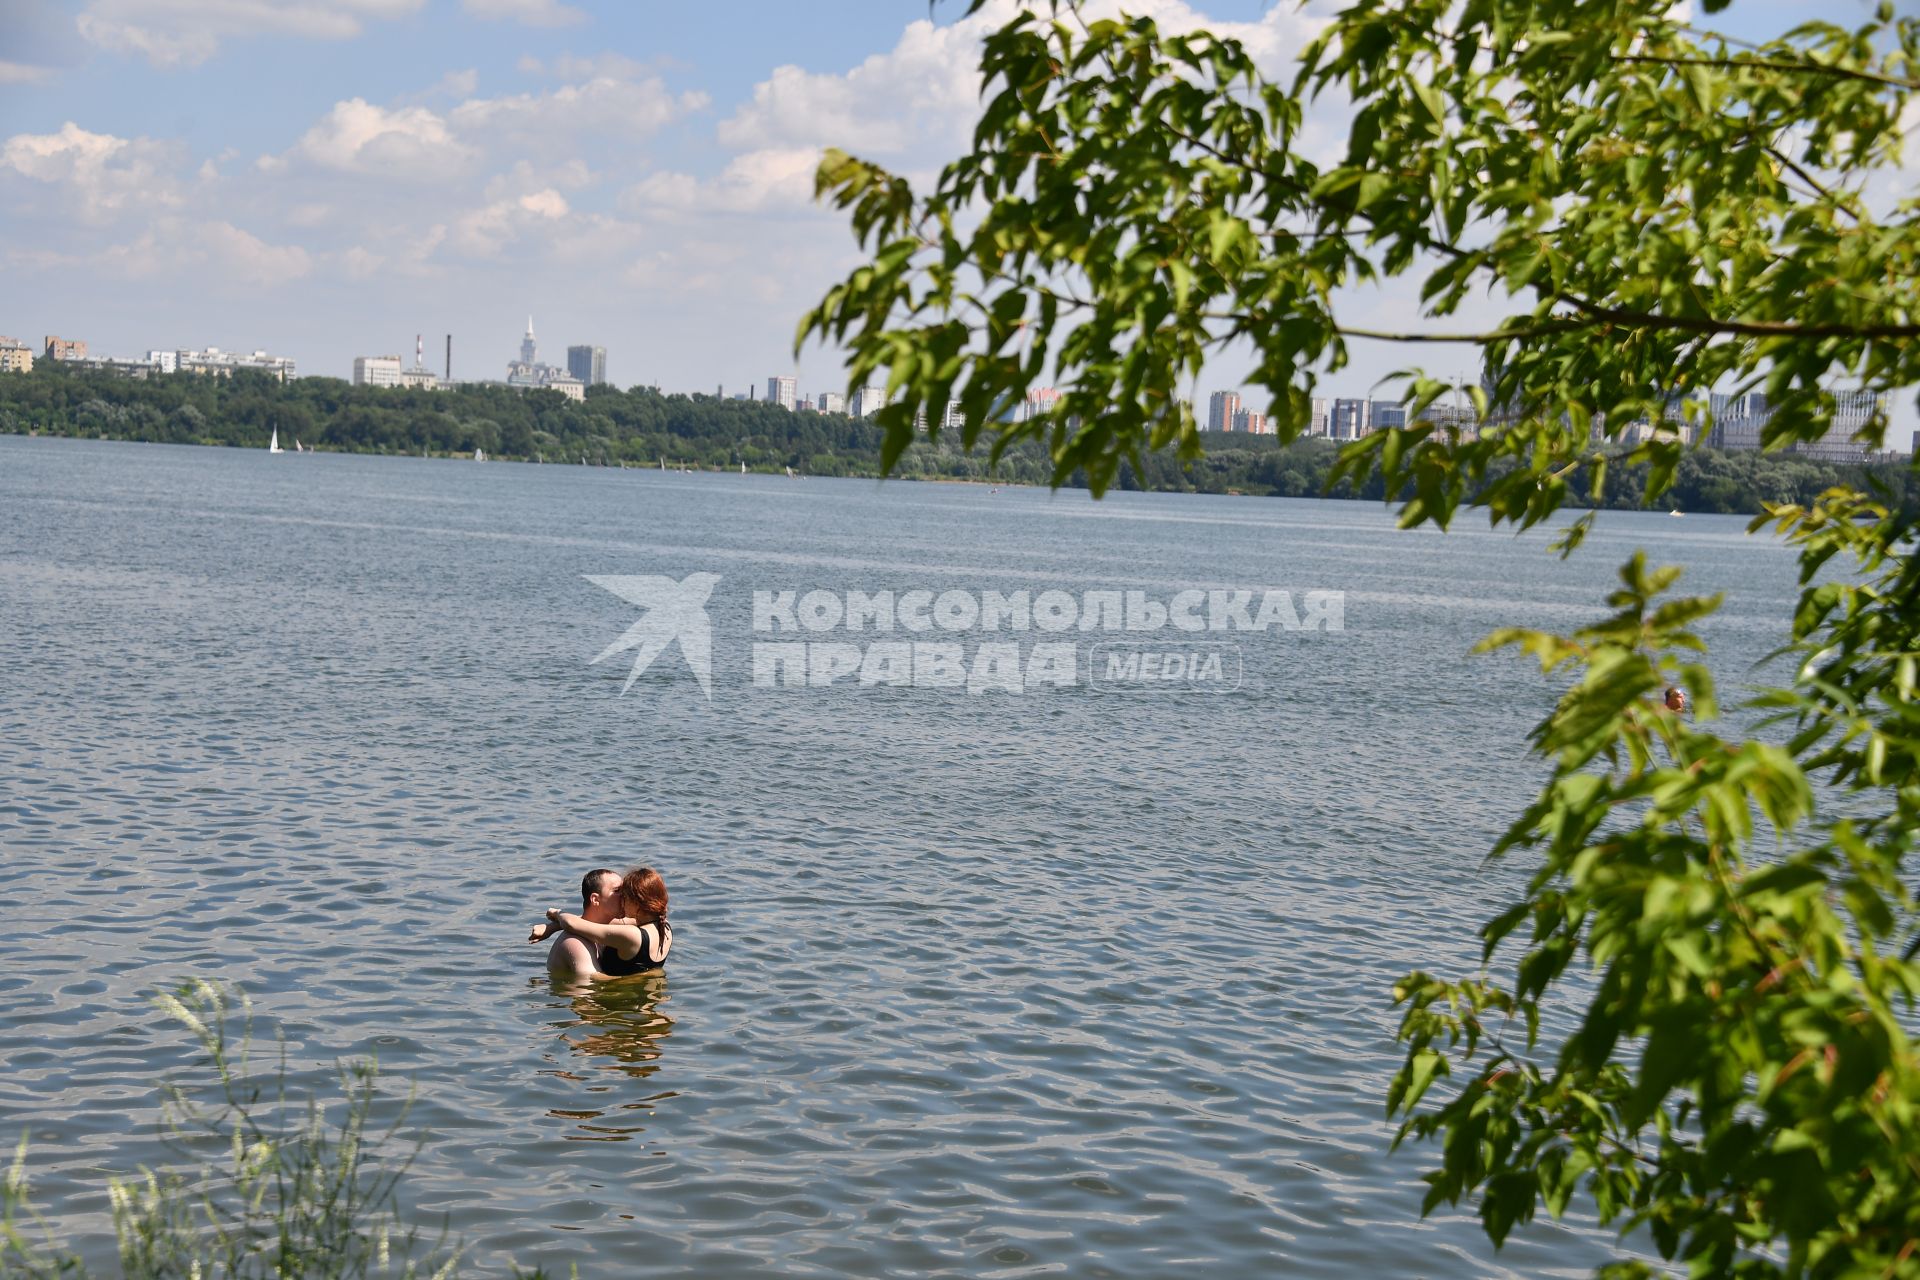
x=616 y=1027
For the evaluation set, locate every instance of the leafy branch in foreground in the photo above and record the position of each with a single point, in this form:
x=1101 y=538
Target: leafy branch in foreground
x=1747 y=953
x=1670 y=213
x=1667 y=212
x=273 y=1190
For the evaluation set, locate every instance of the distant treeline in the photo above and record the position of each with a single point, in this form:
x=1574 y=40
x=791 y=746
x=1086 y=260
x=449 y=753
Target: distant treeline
x=643 y=427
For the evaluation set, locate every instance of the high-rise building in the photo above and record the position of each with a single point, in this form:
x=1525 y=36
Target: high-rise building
x=376 y=371
x=1382 y=414
x=1738 y=421
x=15 y=356
x=783 y=391
x=1349 y=420
x=1221 y=408
x=66 y=348
x=527 y=371
x=1851 y=412
x=588 y=364
x=1039 y=403
x=868 y=401
x=1318 y=427
x=831 y=402
x=1253 y=422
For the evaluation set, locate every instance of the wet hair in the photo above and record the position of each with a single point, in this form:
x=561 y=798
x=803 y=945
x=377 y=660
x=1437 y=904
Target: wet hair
x=643 y=887
x=590 y=885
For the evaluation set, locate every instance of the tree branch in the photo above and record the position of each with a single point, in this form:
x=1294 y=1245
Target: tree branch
x=1769 y=64
x=1740 y=328
x=1497 y=335
x=1793 y=166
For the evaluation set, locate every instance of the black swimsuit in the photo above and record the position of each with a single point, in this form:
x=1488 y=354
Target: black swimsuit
x=614 y=967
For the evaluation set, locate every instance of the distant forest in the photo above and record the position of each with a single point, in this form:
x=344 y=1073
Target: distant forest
x=643 y=427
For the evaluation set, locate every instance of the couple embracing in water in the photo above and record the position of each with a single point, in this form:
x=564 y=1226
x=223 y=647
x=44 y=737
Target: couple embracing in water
x=622 y=927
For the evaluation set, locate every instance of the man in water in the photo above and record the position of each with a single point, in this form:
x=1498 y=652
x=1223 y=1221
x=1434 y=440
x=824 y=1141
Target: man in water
x=573 y=957
x=1676 y=699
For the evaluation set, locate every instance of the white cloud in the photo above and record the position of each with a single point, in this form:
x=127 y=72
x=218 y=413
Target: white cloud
x=925 y=92
x=171 y=33
x=488 y=231
x=103 y=176
x=773 y=178
x=925 y=89
x=455 y=84
x=21 y=73
x=413 y=142
x=568 y=66
x=360 y=263
x=532 y=13
x=605 y=105
x=214 y=252
x=244 y=258
x=525 y=177
x=404 y=142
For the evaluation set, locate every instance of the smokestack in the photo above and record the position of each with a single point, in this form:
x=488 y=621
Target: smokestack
x=449 y=377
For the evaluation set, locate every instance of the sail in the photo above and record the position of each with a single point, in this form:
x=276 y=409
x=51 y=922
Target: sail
x=273 y=445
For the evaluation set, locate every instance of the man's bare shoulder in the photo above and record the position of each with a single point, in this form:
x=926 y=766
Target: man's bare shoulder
x=570 y=955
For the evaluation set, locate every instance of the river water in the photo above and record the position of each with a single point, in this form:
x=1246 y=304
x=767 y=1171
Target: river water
x=1075 y=981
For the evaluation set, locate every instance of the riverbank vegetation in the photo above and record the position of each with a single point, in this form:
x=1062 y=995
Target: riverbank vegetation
x=642 y=427
x=267 y=1185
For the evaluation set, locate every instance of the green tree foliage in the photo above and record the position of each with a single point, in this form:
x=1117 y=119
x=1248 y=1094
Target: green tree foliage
x=642 y=427
x=611 y=426
x=1697 y=1022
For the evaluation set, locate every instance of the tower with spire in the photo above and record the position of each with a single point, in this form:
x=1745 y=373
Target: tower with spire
x=527 y=371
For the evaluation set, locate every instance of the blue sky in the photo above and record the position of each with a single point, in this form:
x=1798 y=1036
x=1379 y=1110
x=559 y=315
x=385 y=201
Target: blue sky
x=325 y=178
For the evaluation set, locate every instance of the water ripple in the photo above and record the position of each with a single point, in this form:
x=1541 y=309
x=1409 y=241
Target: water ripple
x=985 y=987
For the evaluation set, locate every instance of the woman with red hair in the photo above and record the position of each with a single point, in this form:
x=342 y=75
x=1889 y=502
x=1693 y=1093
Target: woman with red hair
x=633 y=945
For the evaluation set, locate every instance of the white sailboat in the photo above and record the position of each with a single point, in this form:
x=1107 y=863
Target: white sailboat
x=273 y=445
x=789 y=473
x=743 y=468
x=479 y=455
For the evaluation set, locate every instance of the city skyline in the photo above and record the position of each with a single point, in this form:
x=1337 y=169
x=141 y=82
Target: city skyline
x=1738 y=421
x=414 y=166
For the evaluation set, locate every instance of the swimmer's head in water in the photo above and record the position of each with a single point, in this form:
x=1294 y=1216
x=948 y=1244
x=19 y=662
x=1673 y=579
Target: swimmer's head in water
x=644 y=892
x=1676 y=698
x=598 y=882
